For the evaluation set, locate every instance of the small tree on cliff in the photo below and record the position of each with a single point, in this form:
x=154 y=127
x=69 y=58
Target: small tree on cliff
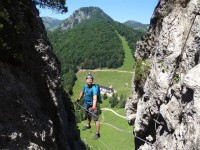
x=58 y=5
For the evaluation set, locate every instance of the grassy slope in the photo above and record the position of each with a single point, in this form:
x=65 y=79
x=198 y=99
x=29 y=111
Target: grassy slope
x=128 y=61
x=111 y=138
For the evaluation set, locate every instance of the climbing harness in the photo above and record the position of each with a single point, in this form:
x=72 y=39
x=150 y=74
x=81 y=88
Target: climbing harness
x=86 y=109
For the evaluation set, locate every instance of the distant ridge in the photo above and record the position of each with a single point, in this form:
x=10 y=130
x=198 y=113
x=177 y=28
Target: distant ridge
x=136 y=25
x=51 y=23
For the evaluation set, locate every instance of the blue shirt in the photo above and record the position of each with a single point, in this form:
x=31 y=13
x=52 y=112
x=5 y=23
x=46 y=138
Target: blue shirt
x=89 y=92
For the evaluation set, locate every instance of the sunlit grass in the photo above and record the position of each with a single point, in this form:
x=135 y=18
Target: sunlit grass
x=128 y=60
x=111 y=138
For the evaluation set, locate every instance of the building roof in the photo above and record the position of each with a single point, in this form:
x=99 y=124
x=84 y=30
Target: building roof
x=107 y=88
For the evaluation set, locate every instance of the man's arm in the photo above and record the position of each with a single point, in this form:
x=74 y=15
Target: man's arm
x=80 y=96
x=94 y=102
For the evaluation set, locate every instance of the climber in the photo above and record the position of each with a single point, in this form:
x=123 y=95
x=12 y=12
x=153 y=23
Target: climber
x=90 y=94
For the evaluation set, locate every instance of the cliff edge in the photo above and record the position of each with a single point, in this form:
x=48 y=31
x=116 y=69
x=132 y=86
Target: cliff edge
x=35 y=112
x=165 y=103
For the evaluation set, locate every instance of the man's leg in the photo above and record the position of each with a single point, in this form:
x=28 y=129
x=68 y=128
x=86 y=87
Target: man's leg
x=88 y=126
x=89 y=120
x=97 y=126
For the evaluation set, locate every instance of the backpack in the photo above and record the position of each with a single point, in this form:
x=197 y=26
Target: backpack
x=98 y=93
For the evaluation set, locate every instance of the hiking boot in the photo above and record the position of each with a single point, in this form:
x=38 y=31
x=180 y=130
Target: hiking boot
x=96 y=136
x=86 y=127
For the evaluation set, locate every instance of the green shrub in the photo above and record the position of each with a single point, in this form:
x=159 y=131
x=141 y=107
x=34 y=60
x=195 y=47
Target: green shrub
x=176 y=78
x=167 y=11
x=105 y=96
x=142 y=70
x=113 y=101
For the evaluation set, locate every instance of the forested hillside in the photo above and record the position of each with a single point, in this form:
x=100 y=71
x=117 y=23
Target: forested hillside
x=93 y=43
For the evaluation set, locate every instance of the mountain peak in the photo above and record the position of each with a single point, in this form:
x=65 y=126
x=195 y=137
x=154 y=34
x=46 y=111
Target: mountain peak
x=82 y=14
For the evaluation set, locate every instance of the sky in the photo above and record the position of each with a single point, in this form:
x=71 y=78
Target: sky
x=118 y=10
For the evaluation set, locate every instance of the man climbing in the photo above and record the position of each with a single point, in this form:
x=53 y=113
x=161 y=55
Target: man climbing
x=89 y=94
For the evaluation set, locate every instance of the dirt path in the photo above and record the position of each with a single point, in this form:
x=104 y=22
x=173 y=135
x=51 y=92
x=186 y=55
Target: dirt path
x=102 y=121
x=114 y=112
x=105 y=70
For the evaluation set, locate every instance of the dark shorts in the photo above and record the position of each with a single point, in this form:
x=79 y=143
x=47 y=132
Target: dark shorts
x=93 y=114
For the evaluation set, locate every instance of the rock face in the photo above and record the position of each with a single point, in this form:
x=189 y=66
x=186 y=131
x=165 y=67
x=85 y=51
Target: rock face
x=35 y=112
x=165 y=106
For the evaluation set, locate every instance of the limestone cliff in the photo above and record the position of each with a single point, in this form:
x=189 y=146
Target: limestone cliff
x=165 y=103
x=34 y=111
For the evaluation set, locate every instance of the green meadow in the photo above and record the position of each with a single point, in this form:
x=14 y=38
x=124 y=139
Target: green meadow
x=115 y=132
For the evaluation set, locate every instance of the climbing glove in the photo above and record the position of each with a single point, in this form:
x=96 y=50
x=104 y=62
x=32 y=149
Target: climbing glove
x=93 y=108
x=78 y=100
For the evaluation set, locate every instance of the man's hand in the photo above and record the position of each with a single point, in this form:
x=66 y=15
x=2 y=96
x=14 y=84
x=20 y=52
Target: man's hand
x=93 y=108
x=78 y=100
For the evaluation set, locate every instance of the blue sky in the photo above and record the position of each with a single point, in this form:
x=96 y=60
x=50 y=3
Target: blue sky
x=119 y=10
